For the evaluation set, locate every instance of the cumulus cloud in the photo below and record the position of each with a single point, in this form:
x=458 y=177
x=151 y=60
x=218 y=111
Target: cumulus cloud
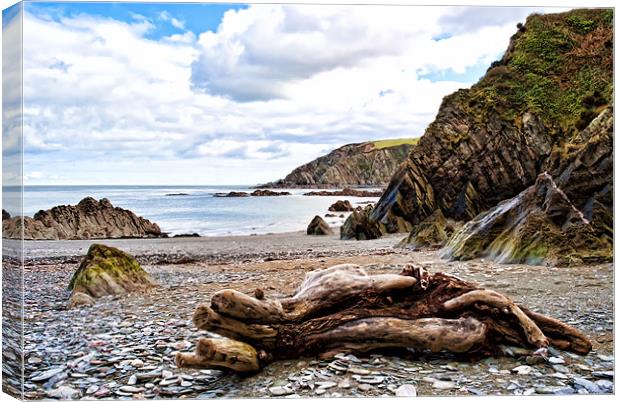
x=273 y=87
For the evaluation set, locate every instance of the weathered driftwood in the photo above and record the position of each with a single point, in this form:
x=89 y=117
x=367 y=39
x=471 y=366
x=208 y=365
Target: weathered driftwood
x=343 y=309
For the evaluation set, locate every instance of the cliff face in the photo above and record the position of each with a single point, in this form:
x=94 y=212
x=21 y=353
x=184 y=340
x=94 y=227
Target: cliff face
x=490 y=142
x=365 y=164
x=565 y=217
x=89 y=219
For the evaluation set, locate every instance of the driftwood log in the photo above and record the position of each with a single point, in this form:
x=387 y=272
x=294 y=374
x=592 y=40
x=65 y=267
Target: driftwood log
x=343 y=309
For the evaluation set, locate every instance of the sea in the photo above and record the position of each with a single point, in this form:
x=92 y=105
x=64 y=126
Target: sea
x=197 y=211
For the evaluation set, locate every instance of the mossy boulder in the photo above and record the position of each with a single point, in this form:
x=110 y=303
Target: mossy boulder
x=319 y=227
x=109 y=271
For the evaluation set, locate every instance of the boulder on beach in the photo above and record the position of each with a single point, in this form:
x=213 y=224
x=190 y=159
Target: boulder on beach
x=341 y=206
x=433 y=232
x=109 y=271
x=319 y=227
x=89 y=219
x=359 y=226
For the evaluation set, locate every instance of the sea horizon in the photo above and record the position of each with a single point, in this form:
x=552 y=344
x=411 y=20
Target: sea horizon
x=187 y=209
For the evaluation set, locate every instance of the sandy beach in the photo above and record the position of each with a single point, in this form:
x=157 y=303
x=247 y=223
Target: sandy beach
x=125 y=346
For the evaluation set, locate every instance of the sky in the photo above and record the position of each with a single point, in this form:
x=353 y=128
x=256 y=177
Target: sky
x=129 y=93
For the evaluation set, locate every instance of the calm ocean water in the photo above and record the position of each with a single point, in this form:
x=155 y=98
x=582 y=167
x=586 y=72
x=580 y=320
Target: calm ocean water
x=198 y=212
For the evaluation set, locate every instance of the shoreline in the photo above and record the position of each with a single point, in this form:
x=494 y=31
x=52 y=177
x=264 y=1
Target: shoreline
x=207 y=248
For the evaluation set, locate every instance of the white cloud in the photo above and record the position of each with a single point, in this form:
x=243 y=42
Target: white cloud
x=274 y=87
x=165 y=16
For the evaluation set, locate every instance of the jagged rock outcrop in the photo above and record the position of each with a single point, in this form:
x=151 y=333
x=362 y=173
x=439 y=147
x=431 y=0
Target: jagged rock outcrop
x=434 y=232
x=89 y=219
x=490 y=142
x=107 y=271
x=341 y=206
x=346 y=192
x=359 y=226
x=565 y=218
x=319 y=227
x=5 y=215
x=364 y=164
x=268 y=193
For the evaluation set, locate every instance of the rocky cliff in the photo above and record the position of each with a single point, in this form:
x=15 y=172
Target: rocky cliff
x=364 y=164
x=565 y=217
x=89 y=219
x=492 y=141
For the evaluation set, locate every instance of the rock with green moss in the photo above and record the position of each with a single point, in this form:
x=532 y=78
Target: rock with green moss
x=109 y=271
x=490 y=142
x=432 y=232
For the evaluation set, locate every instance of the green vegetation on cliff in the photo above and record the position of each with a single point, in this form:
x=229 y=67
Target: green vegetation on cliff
x=557 y=66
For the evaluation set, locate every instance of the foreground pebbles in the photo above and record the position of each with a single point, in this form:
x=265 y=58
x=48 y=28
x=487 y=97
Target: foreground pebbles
x=124 y=347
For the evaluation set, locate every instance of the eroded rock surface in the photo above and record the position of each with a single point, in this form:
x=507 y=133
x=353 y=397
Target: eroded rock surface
x=89 y=219
x=566 y=219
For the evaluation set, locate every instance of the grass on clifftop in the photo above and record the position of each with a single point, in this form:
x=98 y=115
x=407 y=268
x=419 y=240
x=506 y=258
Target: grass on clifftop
x=380 y=144
x=558 y=66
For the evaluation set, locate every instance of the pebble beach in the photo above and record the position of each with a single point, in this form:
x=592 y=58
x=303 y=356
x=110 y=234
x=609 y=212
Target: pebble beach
x=124 y=346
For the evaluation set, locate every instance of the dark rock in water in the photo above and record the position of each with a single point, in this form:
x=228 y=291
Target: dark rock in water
x=561 y=221
x=434 y=232
x=341 y=206
x=232 y=194
x=319 y=227
x=359 y=226
x=89 y=219
x=268 y=193
x=176 y=194
x=490 y=142
x=347 y=192
x=109 y=271
x=330 y=215
x=5 y=215
x=187 y=235
x=365 y=164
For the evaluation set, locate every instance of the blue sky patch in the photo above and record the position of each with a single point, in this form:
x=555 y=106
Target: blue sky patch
x=195 y=17
x=472 y=74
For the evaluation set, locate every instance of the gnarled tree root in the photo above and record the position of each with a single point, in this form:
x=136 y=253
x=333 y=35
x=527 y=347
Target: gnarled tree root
x=343 y=309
